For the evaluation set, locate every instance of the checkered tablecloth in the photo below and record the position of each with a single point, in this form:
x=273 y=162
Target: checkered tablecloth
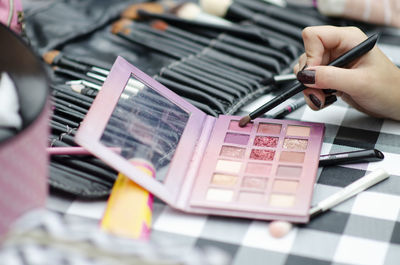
x=363 y=230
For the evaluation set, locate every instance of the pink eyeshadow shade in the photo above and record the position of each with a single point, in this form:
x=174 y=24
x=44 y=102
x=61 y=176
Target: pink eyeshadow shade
x=292 y=157
x=266 y=141
x=224 y=180
x=260 y=154
x=294 y=130
x=299 y=144
x=254 y=183
x=235 y=138
x=258 y=169
x=251 y=197
x=234 y=126
x=288 y=171
x=286 y=186
x=269 y=128
x=281 y=200
x=232 y=151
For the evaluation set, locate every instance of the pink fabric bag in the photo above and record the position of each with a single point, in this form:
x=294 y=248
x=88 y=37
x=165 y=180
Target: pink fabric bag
x=11 y=14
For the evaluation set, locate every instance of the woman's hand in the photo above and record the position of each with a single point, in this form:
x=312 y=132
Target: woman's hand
x=370 y=84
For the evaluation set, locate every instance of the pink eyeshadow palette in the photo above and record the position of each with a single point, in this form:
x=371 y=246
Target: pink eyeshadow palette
x=203 y=164
x=271 y=165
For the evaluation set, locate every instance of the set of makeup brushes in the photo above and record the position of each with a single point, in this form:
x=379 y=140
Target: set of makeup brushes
x=219 y=63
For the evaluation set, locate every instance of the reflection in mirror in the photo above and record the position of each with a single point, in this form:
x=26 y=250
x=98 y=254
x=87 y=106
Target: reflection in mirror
x=145 y=125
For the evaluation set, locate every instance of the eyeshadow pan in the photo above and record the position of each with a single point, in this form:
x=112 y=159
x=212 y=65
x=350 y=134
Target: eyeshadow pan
x=292 y=143
x=286 y=186
x=235 y=138
x=288 y=171
x=281 y=200
x=254 y=183
x=234 y=126
x=232 y=151
x=224 y=180
x=262 y=154
x=228 y=166
x=258 y=169
x=219 y=195
x=269 y=128
x=292 y=157
x=266 y=141
x=251 y=197
x=295 y=130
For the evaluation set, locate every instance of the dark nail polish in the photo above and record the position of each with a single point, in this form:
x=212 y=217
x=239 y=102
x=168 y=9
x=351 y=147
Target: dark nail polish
x=330 y=100
x=329 y=91
x=306 y=76
x=315 y=101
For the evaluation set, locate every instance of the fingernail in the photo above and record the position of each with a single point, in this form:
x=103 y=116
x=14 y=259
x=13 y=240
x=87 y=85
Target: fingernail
x=330 y=100
x=306 y=76
x=315 y=101
x=329 y=91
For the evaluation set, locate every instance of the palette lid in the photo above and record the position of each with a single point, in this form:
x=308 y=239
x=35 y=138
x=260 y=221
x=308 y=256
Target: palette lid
x=145 y=120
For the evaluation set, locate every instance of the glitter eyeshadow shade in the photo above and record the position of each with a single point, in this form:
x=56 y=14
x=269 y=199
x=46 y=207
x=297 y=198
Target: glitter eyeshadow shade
x=232 y=151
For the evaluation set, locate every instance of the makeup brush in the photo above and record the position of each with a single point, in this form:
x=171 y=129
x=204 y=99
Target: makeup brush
x=192 y=11
x=192 y=93
x=284 y=14
x=120 y=29
x=74 y=74
x=248 y=33
x=234 y=11
x=55 y=57
x=131 y=12
x=341 y=61
x=244 y=82
x=163 y=26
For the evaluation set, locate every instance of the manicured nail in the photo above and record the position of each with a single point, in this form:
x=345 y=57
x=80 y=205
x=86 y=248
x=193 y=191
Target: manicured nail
x=315 y=101
x=306 y=76
x=329 y=91
x=330 y=100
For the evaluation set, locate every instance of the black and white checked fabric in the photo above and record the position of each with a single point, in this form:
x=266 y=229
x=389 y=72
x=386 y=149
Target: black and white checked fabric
x=363 y=230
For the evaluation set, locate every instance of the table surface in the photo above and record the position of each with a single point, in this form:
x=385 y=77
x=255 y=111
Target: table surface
x=363 y=230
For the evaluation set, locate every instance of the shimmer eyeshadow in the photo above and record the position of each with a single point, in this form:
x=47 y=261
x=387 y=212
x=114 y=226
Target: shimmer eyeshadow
x=219 y=195
x=254 y=183
x=234 y=126
x=269 y=128
x=292 y=157
x=235 y=138
x=251 y=197
x=262 y=154
x=299 y=144
x=281 y=200
x=258 y=169
x=228 y=166
x=224 y=180
x=266 y=141
x=289 y=171
x=286 y=186
x=294 y=130
x=232 y=151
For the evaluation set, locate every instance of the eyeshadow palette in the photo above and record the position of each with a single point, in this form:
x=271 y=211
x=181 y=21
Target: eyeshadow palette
x=267 y=166
x=204 y=165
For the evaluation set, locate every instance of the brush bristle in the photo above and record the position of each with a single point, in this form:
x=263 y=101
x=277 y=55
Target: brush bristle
x=244 y=121
x=217 y=8
x=131 y=12
x=188 y=11
x=49 y=57
x=122 y=26
x=160 y=25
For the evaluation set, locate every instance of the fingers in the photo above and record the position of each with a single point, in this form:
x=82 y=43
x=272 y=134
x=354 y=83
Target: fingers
x=324 y=43
x=323 y=77
x=317 y=99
